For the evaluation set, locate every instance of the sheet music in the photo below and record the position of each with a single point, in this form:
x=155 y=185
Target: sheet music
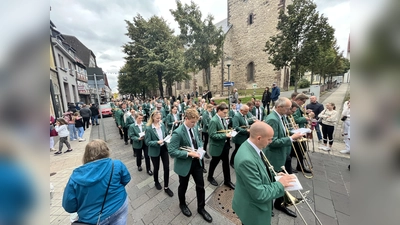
x=234 y=133
x=201 y=152
x=141 y=134
x=167 y=139
x=301 y=130
x=296 y=185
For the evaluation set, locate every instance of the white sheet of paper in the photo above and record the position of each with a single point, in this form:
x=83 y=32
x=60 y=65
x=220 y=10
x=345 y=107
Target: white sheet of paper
x=201 y=152
x=234 y=133
x=301 y=130
x=296 y=185
x=167 y=139
x=141 y=134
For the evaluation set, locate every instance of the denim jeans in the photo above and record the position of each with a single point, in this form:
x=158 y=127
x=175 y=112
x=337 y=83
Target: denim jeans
x=72 y=132
x=119 y=217
x=95 y=118
x=80 y=131
x=318 y=130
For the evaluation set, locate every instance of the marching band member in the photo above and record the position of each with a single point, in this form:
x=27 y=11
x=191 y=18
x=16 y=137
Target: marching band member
x=120 y=116
x=154 y=139
x=240 y=124
x=255 y=191
x=205 y=120
x=279 y=149
x=219 y=146
x=189 y=163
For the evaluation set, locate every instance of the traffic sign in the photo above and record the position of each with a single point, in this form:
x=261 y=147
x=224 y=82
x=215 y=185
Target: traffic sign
x=228 y=84
x=254 y=85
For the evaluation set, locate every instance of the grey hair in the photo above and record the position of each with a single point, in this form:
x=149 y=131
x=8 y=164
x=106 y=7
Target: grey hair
x=281 y=101
x=244 y=107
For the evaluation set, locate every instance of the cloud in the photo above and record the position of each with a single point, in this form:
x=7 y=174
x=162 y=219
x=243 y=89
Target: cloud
x=100 y=24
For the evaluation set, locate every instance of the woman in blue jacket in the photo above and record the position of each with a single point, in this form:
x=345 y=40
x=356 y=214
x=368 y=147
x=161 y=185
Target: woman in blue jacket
x=88 y=183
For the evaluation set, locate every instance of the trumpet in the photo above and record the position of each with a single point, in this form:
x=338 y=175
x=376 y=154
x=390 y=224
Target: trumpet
x=292 y=200
x=225 y=131
x=307 y=159
x=304 y=198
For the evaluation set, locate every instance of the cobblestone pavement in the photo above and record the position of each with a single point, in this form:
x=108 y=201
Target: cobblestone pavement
x=329 y=188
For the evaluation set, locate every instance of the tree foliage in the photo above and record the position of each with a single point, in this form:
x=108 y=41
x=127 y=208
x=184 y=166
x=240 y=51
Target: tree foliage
x=202 y=40
x=303 y=36
x=154 y=56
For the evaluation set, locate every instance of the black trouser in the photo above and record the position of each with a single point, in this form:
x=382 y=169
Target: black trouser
x=327 y=131
x=196 y=170
x=62 y=141
x=266 y=106
x=225 y=163
x=156 y=163
x=288 y=164
x=139 y=157
x=125 y=130
x=205 y=140
x=232 y=161
x=297 y=149
x=86 y=121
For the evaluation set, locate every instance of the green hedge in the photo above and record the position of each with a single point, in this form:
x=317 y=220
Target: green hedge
x=303 y=83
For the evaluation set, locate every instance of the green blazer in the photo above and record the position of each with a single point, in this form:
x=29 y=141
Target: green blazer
x=169 y=120
x=205 y=120
x=167 y=109
x=254 y=113
x=299 y=118
x=129 y=121
x=254 y=191
x=250 y=118
x=181 y=138
x=238 y=121
x=133 y=133
x=119 y=117
x=216 y=140
x=232 y=113
x=151 y=138
x=281 y=144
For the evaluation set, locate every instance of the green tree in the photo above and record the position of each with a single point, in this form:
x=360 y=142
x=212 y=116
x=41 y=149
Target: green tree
x=153 y=54
x=202 y=40
x=291 y=46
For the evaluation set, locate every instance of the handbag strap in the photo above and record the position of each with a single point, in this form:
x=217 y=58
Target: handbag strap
x=105 y=196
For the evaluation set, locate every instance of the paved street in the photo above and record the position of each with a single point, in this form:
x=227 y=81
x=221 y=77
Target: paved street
x=329 y=188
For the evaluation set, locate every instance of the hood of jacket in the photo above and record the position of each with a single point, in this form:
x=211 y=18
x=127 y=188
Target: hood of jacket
x=91 y=173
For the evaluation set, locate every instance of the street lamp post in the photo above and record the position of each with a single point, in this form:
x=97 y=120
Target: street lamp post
x=98 y=99
x=228 y=63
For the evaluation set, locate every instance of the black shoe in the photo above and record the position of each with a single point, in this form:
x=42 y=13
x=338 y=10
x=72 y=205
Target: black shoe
x=212 y=181
x=206 y=156
x=230 y=184
x=207 y=217
x=139 y=168
x=158 y=186
x=272 y=213
x=185 y=210
x=150 y=172
x=204 y=170
x=69 y=150
x=232 y=165
x=286 y=210
x=126 y=143
x=57 y=153
x=169 y=192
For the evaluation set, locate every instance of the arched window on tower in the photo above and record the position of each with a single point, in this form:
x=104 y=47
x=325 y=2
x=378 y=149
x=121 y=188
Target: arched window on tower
x=250 y=72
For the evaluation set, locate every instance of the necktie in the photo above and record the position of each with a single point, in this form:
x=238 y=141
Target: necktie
x=244 y=117
x=223 y=123
x=258 y=113
x=266 y=166
x=194 y=142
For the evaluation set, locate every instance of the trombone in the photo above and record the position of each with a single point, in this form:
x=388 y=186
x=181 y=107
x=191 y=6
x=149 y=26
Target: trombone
x=225 y=131
x=304 y=199
x=307 y=159
x=292 y=200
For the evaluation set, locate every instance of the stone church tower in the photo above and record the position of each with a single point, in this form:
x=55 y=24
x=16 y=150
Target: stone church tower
x=248 y=26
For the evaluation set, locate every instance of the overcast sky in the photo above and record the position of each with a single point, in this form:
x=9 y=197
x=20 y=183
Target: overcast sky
x=100 y=25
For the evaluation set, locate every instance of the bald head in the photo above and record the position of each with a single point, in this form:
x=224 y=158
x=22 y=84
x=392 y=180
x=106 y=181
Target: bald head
x=261 y=134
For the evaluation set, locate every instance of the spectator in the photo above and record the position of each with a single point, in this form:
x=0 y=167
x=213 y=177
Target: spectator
x=71 y=107
x=53 y=133
x=86 y=114
x=99 y=180
x=266 y=99
x=79 y=126
x=317 y=108
x=329 y=119
x=346 y=128
x=239 y=105
x=62 y=130
x=71 y=126
x=95 y=114
x=276 y=92
x=235 y=96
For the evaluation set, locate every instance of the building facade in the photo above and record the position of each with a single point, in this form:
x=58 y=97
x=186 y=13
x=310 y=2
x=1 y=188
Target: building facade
x=249 y=25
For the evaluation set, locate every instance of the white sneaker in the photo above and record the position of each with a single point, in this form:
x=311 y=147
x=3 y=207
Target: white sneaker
x=52 y=149
x=81 y=139
x=326 y=148
x=345 y=151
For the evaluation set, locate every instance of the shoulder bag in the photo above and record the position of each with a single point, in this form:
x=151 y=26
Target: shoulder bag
x=104 y=201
